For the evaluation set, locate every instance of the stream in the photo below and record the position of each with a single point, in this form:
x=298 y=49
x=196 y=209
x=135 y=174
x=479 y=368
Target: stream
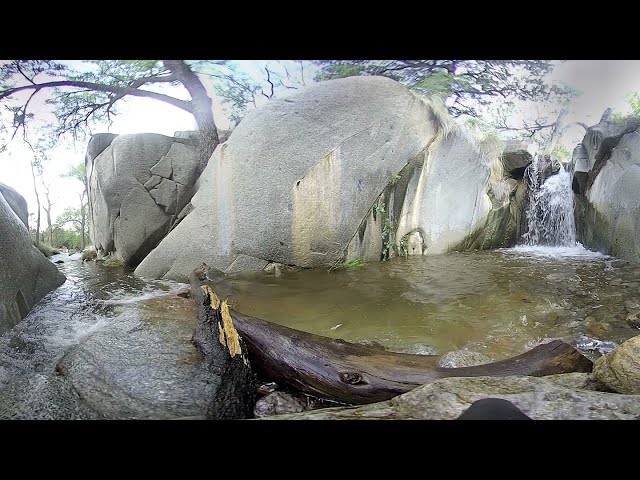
x=108 y=344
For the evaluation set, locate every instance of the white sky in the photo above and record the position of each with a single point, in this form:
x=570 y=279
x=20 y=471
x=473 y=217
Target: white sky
x=603 y=84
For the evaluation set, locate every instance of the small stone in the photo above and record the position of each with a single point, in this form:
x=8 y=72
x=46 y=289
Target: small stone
x=633 y=320
x=184 y=292
x=277 y=403
x=462 y=358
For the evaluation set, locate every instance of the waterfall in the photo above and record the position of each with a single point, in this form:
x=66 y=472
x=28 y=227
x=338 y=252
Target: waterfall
x=551 y=203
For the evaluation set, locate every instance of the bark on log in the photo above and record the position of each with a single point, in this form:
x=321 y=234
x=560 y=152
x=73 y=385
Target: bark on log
x=234 y=396
x=356 y=374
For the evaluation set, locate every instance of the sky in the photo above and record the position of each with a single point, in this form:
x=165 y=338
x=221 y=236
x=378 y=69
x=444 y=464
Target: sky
x=602 y=84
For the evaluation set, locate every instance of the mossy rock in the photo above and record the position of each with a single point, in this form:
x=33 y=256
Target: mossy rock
x=89 y=255
x=114 y=262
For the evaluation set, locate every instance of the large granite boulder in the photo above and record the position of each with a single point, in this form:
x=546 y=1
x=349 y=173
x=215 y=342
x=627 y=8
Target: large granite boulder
x=26 y=275
x=608 y=200
x=570 y=396
x=299 y=179
x=138 y=185
x=620 y=369
x=17 y=203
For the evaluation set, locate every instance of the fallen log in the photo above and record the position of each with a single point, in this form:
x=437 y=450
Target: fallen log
x=357 y=374
x=234 y=384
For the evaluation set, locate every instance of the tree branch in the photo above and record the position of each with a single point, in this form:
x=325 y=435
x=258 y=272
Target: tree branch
x=182 y=104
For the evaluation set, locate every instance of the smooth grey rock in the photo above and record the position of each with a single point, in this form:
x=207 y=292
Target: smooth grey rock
x=558 y=397
x=463 y=358
x=97 y=144
x=296 y=179
x=581 y=166
x=620 y=369
x=130 y=370
x=17 y=203
x=447 y=196
x=614 y=198
x=26 y=275
x=125 y=219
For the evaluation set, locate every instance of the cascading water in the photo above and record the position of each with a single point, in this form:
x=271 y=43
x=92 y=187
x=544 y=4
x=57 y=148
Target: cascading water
x=551 y=204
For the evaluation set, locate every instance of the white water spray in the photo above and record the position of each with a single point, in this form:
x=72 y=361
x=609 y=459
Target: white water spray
x=551 y=203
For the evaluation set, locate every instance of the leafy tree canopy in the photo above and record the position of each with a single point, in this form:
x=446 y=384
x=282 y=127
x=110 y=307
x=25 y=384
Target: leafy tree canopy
x=473 y=88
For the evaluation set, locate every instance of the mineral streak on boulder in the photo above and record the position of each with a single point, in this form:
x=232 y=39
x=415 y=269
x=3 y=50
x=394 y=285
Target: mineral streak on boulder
x=299 y=179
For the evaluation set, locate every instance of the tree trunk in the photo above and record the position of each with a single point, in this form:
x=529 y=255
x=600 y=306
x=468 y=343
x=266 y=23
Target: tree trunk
x=49 y=227
x=234 y=392
x=201 y=108
x=83 y=216
x=338 y=370
x=35 y=189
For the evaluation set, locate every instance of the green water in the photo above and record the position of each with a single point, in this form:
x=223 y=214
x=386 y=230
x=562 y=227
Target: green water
x=500 y=303
x=109 y=344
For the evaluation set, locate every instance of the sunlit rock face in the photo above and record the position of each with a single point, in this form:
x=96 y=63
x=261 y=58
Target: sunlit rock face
x=26 y=275
x=299 y=182
x=17 y=203
x=138 y=185
x=608 y=189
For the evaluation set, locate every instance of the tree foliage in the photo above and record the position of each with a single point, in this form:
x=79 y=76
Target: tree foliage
x=90 y=92
x=468 y=87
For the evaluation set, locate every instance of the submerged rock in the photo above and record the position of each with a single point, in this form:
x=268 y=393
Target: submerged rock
x=620 y=369
x=569 y=396
x=133 y=370
x=462 y=358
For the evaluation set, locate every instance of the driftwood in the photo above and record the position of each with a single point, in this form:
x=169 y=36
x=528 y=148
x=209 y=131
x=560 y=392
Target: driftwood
x=233 y=393
x=357 y=374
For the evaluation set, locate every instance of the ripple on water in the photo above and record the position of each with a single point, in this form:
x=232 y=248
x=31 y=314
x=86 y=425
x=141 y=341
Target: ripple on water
x=123 y=343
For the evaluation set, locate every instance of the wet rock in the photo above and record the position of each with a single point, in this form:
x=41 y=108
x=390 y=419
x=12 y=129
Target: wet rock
x=277 y=403
x=462 y=358
x=89 y=253
x=620 y=369
x=632 y=306
x=184 y=292
x=373 y=344
x=620 y=263
x=633 y=320
x=130 y=370
x=591 y=347
x=267 y=388
x=558 y=397
x=595 y=328
x=419 y=349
